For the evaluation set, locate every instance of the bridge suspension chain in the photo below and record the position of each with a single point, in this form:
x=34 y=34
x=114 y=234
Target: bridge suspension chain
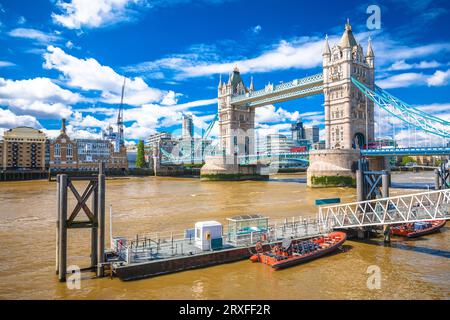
x=406 y=113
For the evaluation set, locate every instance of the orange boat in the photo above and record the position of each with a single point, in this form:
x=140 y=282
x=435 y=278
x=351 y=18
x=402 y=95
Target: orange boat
x=291 y=253
x=417 y=229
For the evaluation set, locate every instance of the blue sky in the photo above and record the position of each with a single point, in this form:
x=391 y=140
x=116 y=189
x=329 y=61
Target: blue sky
x=68 y=58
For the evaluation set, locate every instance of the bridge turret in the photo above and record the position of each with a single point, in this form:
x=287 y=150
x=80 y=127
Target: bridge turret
x=345 y=107
x=370 y=57
x=252 y=86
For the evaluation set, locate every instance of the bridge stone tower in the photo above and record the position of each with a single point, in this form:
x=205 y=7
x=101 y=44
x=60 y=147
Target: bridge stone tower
x=349 y=116
x=236 y=131
x=236 y=122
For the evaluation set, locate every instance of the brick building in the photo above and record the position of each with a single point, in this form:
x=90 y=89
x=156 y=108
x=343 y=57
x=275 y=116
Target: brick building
x=63 y=151
x=23 y=148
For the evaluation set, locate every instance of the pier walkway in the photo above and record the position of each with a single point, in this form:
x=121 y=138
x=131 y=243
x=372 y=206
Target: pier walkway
x=425 y=206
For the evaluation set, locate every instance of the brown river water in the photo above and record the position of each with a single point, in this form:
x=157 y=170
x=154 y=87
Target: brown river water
x=414 y=269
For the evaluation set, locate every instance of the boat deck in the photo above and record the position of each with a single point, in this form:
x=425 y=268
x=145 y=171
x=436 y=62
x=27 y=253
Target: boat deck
x=146 y=257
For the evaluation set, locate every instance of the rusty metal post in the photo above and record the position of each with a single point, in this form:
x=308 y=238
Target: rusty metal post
x=62 y=259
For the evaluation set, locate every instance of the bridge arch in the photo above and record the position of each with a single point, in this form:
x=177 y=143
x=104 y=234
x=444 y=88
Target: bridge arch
x=359 y=140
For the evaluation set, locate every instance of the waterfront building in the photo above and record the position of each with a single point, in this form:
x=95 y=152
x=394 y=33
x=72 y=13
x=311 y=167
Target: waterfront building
x=84 y=154
x=187 y=127
x=385 y=142
x=278 y=143
x=312 y=134
x=298 y=131
x=156 y=138
x=91 y=152
x=429 y=160
x=23 y=149
x=63 y=151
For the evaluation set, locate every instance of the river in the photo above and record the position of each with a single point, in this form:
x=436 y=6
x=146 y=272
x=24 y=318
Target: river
x=414 y=269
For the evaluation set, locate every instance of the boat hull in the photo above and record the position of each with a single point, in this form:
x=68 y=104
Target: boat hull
x=437 y=225
x=300 y=259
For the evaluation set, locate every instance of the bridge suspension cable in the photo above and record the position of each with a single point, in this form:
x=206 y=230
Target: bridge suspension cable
x=405 y=112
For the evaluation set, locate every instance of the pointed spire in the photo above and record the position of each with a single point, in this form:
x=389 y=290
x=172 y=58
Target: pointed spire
x=252 y=86
x=348 y=39
x=370 y=53
x=326 y=50
x=220 y=82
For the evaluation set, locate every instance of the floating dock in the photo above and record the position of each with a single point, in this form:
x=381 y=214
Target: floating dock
x=146 y=257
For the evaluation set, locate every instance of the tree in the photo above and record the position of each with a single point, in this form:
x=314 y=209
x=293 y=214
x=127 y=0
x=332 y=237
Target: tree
x=140 y=159
x=407 y=159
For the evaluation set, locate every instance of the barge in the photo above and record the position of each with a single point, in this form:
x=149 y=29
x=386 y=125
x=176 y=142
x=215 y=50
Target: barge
x=206 y=245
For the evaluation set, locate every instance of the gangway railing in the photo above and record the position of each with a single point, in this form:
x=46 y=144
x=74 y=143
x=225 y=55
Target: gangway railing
x=426 y=206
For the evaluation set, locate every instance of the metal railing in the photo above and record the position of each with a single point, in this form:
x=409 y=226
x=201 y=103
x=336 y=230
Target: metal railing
x=426 y=206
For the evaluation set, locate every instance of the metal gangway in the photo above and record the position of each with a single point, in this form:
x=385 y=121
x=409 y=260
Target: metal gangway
x=426 y=206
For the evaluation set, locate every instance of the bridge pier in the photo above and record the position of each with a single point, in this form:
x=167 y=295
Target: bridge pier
x=217 y=168
x=332 y=168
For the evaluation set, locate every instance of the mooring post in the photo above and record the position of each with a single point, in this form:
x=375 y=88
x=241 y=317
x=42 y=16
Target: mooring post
x=385 y=194
x=58 y=213
x=437 y=179
x=62 y=260
x=360 y=184
x=94 y=230
x=101 y=220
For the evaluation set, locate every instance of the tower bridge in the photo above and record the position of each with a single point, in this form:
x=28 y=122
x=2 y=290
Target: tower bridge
x=347 y=83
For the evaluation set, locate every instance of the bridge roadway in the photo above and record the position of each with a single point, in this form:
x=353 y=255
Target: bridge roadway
x=303 y=156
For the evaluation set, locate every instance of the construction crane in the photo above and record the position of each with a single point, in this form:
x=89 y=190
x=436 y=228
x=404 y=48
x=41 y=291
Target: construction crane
x=120 y=138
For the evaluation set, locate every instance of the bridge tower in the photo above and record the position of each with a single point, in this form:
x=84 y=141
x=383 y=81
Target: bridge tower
x=349 y=116
x=237 y=134
x=236 y=122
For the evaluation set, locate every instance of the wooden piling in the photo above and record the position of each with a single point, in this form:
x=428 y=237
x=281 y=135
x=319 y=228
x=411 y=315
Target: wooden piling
x=437 y=179
x=58 y=213
x=62 y=259
x=94 y=230
x=101 y=220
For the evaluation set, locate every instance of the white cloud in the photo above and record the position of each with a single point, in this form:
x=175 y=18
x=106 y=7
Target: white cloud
x=402 y=80
x=300 y=53
x=170 y=99
x=439 y=78
x=265 y=129
x=93 y=14
x=4 y=64
x=256 y=29
x=90 y=121
x=89 y=74
x=269 y=114
x=297 y=53
x=10 y=120
x=39 y=97
x=403 y=65
x=33 y=34
x=410 y=79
